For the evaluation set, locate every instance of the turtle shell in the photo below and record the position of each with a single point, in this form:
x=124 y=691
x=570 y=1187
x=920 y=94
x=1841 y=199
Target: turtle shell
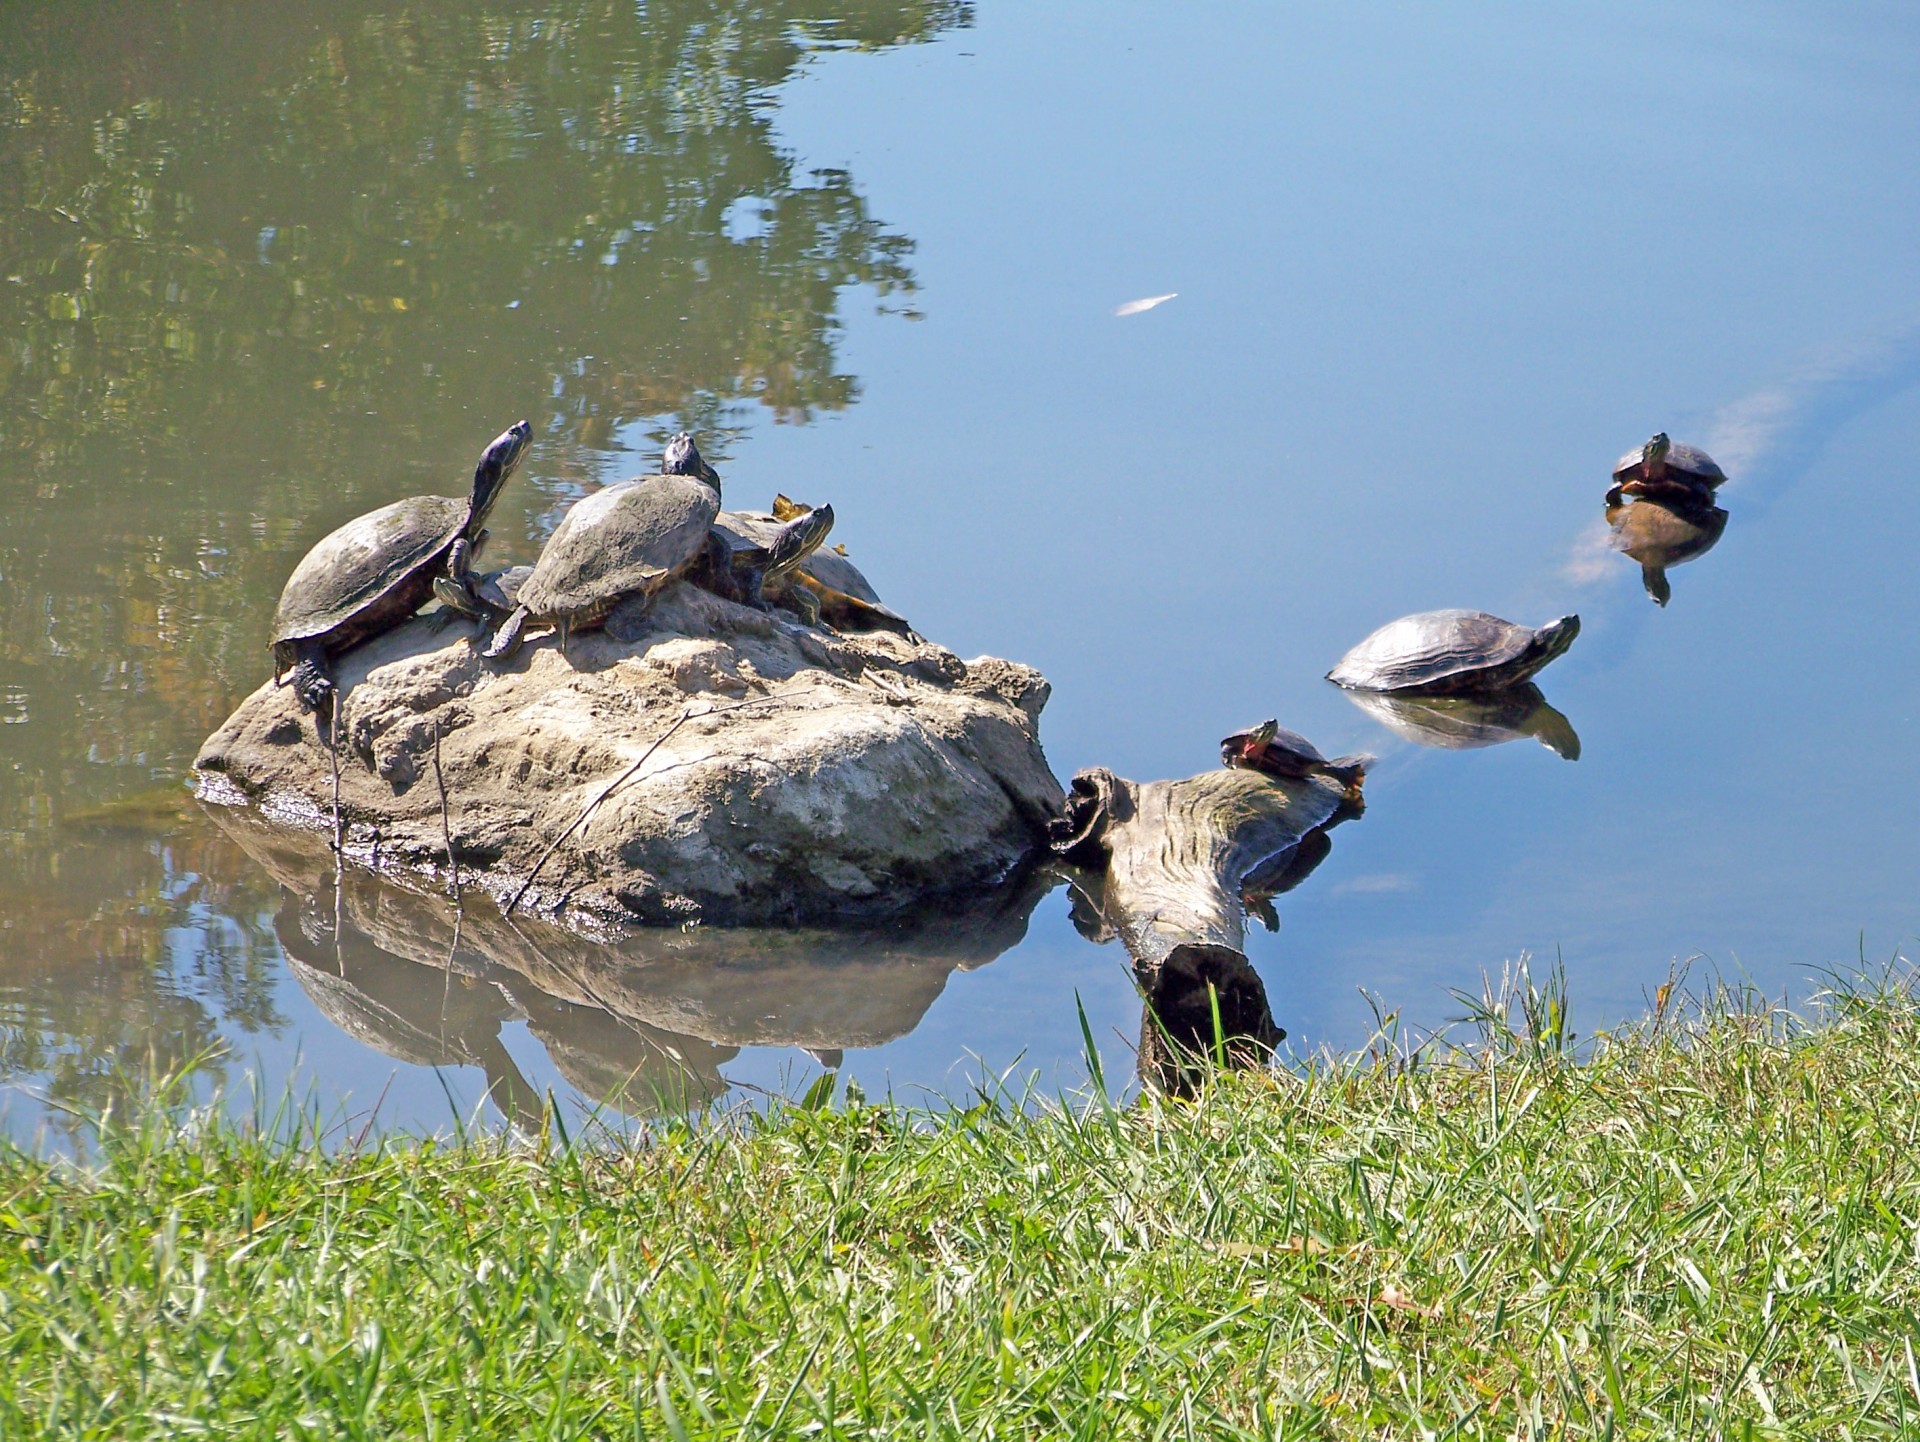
x=1690 y=461
x=501 y=589
x=834 y=573
x=628 y=539
x=742 y=532
x=366 y=564
x=1442 y=651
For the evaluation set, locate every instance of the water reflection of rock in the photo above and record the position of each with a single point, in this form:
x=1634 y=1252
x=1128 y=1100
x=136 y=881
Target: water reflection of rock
x=1464 y=723
x=643 y=1023
x=1663 y=534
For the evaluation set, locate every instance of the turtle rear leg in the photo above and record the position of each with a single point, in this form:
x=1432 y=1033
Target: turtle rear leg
x=507 y=639
x=312 y=676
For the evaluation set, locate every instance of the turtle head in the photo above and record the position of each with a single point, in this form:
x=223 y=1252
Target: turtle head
x=497 y=462
x=798 y=539
x=1243 y=747
x=1552 y=639
x=1653 y=457
x=682 y=458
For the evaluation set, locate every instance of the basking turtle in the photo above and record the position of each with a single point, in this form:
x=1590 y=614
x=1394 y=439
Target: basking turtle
x=1444 y=653
x=377 y=570
x=845 y=599
x=751 y=558
x=1276 y=751
x=1659 y=534
x=1667 y=469
x=1465 y=723
x=630 y=539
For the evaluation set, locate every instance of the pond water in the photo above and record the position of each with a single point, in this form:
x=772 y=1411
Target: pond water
x=264 y=266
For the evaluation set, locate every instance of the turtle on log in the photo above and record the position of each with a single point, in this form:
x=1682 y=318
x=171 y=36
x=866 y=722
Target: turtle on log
x=1446 y=653
x=628 y=540
x=378 y=569
x=1275 y=751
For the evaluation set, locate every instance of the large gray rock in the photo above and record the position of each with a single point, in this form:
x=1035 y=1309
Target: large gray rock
x=869 y=774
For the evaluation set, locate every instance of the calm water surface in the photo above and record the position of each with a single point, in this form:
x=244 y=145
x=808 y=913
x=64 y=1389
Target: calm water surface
x=263 y=267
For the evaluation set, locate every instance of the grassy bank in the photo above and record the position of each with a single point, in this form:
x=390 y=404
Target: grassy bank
x=1696 y=1229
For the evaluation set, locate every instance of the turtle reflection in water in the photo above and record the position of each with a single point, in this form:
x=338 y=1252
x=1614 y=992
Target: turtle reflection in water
x=378 y=569
x=1467 y=722
x=1660 y=534
x=1451 y=653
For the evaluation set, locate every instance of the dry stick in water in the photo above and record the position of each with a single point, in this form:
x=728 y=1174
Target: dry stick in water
x=333 y=750
x=446 y=827
x=614 y=785
x=588 y=809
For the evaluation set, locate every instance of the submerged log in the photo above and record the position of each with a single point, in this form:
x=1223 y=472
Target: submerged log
x=1171 y=867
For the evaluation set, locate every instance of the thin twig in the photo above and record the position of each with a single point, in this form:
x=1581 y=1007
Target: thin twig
x=333 y=750
x=685 y=716
x=446 y=826
x=588 y=809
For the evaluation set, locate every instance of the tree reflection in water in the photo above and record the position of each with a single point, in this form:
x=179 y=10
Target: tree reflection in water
x=263 y=267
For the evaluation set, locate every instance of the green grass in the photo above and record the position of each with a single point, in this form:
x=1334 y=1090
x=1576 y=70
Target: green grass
x=1702 y=1228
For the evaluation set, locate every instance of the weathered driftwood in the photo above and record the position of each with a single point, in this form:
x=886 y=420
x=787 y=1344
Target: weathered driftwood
x=1171 y=867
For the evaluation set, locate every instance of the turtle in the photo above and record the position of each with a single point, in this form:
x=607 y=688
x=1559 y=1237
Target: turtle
x=1660 y=533
x=751 y=558
x=630 y=539
x=1666 y=468
x=488 y=599
x=1468 y=722
x=846 y=599
x=375 y=571
x=1272 y=749
x=1444 y=653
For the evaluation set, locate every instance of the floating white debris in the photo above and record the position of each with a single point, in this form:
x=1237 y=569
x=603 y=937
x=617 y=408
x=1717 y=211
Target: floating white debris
x=1134 y=307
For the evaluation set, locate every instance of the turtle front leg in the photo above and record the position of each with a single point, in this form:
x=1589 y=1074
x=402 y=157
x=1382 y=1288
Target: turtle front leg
x=803 y=603
x=507 y=639
x=455 y=586
x=312 y=676
x=749 y=587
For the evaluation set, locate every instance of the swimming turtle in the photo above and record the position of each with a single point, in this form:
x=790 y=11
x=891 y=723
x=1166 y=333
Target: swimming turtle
x=1659 y=534
x=1276 y=751
x=630 y=539
x=1443 y=653
x=751 y=558
x=374 y=572
x=846 y=600
x=1666 y=468
x=1467 y=722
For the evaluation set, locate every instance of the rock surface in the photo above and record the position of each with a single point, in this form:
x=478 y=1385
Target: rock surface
x=820 y=777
